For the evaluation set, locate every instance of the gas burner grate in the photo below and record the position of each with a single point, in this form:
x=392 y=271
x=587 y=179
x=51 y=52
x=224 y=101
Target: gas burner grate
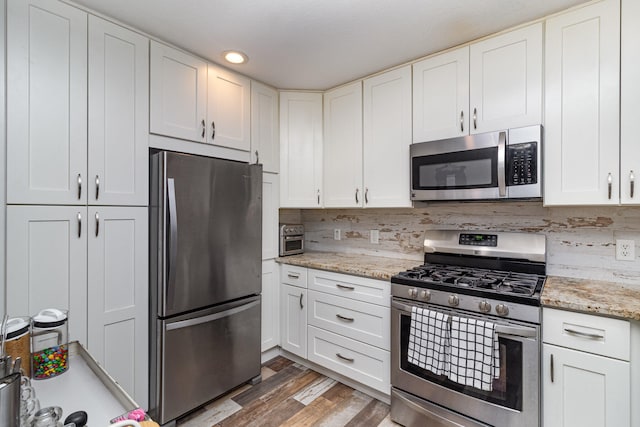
x=482 y=279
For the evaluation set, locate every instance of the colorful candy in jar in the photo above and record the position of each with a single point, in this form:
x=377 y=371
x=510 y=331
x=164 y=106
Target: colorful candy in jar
x=50 y=362
x=49 y=349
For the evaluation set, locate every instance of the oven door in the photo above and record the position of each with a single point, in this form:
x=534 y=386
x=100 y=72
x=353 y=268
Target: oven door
x=471 y=167
x=514 y=400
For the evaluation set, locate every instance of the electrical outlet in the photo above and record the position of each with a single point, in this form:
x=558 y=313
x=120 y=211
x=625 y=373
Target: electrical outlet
x=336 y=234
x=374 y=236
x=625 y=250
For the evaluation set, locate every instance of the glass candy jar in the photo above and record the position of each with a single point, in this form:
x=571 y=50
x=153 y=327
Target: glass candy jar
x=49 y=343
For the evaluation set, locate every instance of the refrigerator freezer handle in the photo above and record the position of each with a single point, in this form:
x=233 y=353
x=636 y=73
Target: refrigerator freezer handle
x=173 y=235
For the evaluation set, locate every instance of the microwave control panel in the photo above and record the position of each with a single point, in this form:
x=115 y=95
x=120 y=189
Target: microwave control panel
x=522 y=164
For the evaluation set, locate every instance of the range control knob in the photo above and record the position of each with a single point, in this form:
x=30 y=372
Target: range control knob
x=425 y=295
x=454 y=300
x=484 y=306
x=413 y=293
x=502 y=309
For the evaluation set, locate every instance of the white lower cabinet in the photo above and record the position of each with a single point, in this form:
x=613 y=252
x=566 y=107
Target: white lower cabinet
x=94 y=263
x=47 y=263
x=270 y=305
x=586 y=370
x=354 y=359
x=294 y=320
x=118 y=295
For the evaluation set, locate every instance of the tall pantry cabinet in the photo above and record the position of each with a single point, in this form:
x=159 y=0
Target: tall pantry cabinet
x=77 y=179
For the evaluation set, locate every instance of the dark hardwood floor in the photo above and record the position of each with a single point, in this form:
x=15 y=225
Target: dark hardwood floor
x=292 y=395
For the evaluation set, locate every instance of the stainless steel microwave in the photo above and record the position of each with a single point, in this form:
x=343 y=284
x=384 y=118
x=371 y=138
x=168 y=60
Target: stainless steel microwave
x=497 y=165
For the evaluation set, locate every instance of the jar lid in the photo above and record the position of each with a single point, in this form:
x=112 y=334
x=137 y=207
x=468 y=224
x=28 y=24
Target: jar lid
x=50 y=318
x=17 y=326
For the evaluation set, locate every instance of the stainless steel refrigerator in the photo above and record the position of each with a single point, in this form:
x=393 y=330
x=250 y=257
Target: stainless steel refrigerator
x=205 y=280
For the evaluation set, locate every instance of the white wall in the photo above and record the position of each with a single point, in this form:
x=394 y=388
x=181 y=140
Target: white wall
x=580 y=240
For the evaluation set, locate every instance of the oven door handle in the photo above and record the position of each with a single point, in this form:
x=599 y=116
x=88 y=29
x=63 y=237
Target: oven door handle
x=400 y=306
x=515 y=331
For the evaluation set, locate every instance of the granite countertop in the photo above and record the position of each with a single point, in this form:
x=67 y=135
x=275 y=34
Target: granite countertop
x=592 y=297
x=374 y=267
x=584 y=295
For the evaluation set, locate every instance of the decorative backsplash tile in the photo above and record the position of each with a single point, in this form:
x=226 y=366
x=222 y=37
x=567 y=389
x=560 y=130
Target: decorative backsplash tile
x=580 y=240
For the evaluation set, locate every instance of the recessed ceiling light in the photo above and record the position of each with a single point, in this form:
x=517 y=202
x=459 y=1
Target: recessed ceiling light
x=235 y=57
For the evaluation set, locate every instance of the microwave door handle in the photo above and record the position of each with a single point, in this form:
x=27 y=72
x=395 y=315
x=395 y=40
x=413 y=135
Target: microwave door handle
x=173 y=237
x=502 y=142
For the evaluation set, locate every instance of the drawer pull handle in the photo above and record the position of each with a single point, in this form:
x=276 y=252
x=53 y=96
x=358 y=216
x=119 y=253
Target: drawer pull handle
x=348 y=288
x=348 y=359
x=584 y=334
x=301 y=304
x=293 y=276
x=346 y=319
x=551 y=370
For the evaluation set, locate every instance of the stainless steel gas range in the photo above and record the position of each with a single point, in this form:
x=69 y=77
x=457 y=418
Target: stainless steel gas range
x=485 y=281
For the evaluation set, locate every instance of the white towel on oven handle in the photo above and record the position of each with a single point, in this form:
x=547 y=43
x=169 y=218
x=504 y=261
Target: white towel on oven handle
x=429 y=337
x=475 y=353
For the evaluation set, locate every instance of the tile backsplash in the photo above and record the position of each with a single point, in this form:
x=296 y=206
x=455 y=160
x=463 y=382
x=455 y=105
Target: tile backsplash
x=580 y=240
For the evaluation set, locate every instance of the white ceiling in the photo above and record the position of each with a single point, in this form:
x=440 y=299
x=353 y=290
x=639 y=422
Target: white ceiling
x=319 y=44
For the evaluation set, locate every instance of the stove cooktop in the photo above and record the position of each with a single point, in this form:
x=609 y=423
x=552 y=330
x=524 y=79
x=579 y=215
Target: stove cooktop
x=506 y=285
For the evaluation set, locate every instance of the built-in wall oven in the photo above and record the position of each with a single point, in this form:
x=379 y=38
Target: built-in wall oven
x=483 y=277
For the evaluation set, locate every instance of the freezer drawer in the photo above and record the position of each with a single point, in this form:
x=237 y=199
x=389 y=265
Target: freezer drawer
x=206 y=354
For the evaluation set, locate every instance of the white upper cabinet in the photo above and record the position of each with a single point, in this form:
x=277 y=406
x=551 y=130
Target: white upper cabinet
x=505 y=80
x=441 y=96
x=630 y=103
x=265 y=141
x=193 y=100
x=582 y=93
x=386 y=138
x=489 y=85
x=228 y=109
x=300 y=150
x=178 y=94
x=343 y=147
x=118 y=108
x=46 y=103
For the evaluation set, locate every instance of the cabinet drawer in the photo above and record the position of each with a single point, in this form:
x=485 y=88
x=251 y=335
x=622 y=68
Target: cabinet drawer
x=358 y=288
x=585 y=332
x=363 y=363
x=292 y=275
x=361 y=321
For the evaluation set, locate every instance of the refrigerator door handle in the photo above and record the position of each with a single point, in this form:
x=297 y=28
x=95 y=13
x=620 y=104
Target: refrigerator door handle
x=211 y=317
x=173 y=236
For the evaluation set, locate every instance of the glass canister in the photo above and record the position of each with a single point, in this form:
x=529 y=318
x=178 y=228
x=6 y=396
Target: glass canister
x=18 y=342
x=49 y=343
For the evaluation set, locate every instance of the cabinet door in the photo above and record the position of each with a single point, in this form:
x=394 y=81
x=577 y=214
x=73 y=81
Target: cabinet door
x=178 y=94
x=47 y=263
x=270 y=231
x=118 y=295
x=441 y=96
x=46 y=103
x=582 y=389
x=265 y=147
x=386 y=139
x=629 y=103
x=228 y=109
x=294 y=320
x=506 y=80
x=300 y=150
x=582 y=90
x=118 y=111
x=270 y=306
x=342 y=158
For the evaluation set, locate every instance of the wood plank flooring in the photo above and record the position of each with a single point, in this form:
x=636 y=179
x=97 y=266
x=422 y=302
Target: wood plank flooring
x=292 y=395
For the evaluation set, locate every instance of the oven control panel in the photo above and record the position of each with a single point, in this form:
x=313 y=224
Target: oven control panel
x=469 y=239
